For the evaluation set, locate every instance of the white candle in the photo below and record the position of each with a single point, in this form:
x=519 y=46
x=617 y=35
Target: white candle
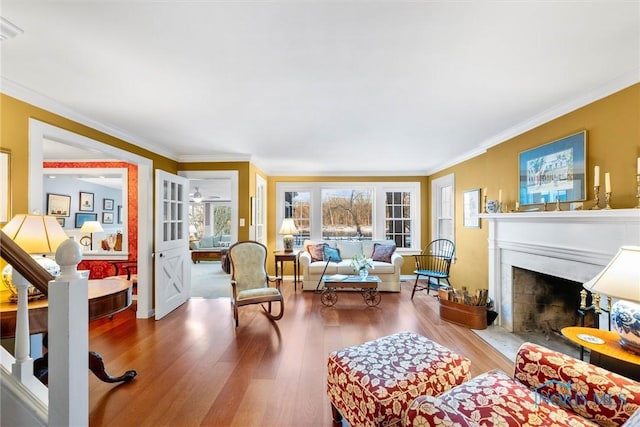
x=607 y=183
x=596 y=176
x=500 y=196
x=638 y=165
x=517 y=205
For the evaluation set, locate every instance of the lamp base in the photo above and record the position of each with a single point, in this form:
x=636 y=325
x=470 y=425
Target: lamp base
x=288 y=243
x=625 y=316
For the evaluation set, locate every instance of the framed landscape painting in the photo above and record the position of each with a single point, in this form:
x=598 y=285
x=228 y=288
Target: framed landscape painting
x=554 y=171
x=107 y=204
x=82 y=217
x=58 y=204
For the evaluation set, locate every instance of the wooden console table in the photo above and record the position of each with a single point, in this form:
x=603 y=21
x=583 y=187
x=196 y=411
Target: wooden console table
x=106 y=298
x=606 y=352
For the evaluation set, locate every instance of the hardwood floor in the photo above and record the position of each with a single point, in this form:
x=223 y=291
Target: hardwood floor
x=196 y=369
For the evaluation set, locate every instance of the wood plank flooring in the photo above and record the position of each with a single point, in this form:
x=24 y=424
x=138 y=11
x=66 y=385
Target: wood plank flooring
x=196 y=369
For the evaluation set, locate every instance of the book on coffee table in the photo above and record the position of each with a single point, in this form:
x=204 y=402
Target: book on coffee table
x=337 y=277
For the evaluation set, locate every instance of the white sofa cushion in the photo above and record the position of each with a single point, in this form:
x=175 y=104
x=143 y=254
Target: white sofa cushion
x=349 y=249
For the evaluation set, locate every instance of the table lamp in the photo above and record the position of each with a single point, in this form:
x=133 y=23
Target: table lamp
x=38 y=235
x=620 y=279
x=90 y=227
x=288 y=229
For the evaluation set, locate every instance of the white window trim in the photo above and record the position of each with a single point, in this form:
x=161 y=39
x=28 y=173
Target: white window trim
x=379 y=190
x=436 y=186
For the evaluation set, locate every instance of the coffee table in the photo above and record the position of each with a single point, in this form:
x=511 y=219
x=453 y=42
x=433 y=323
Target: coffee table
x=367 y=286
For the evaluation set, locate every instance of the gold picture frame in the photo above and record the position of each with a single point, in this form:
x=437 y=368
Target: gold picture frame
x=5 y=186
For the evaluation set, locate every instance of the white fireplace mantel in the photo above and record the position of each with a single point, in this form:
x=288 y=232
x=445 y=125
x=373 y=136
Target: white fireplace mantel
x=574 y=245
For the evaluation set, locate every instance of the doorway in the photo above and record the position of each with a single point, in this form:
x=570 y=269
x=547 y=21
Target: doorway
x=213 y=215
x=39 y=132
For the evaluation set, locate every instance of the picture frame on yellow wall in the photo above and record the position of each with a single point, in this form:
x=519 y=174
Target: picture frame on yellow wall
x=471 y=208
x=554 y=171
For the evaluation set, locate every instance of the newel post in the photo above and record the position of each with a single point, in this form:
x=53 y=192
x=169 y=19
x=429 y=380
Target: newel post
x=23 y=366
x=68 y=341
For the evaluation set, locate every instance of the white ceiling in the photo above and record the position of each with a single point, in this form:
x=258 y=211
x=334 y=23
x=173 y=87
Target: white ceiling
x=319 y=87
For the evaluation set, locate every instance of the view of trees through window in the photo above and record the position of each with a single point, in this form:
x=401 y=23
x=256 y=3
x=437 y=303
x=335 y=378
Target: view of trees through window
x=347 y=214
x=398 y=218
x=218 y=224
x=365 y=210
x=297 y=207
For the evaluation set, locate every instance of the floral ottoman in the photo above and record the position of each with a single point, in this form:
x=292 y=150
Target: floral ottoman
x=374 y=383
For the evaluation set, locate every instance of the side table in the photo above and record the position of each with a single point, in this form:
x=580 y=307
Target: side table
x=606 y=352
x=281 y=257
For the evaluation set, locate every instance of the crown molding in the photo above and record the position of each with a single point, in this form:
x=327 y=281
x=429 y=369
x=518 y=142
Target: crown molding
x=21 y=93
x=221 y=157
x=609 y=88
x=8 y=30
x=612 y=86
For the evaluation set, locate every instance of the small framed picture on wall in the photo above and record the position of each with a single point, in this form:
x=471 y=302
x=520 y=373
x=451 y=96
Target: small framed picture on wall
x=107 y=204
x=107 y=217
x=82 y=217
x=86 y=201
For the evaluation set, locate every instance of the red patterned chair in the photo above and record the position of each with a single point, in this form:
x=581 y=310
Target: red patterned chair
x=374 y=383
x=547 y=389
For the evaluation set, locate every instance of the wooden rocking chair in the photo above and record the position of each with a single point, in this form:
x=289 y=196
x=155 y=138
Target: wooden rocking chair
x=249 y=279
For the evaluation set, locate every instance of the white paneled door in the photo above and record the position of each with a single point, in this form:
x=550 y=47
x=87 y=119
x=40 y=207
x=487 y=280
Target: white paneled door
x=171 y=255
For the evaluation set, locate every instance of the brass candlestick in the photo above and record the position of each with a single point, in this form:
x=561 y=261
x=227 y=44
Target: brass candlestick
x=596 y=196
x=558 y=205
x=638 y=190
x=607 y=200
x=544 y=206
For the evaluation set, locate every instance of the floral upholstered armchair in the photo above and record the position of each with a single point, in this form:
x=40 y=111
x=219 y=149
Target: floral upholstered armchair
x=249 y=279
x=548 y=388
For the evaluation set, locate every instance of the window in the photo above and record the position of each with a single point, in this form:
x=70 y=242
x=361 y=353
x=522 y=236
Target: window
x=356 y=210
x=443 y=208
x=296 y=206
x=398 y=218
x=346 y=214
x=209 y=218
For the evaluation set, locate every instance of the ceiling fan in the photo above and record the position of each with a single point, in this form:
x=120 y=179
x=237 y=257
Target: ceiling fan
x=197 y=196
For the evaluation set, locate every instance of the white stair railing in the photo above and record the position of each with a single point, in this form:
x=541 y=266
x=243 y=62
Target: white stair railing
x=69 y=341
x=67 y=396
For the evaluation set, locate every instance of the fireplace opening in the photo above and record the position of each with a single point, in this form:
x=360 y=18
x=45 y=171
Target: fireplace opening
x=543 y=305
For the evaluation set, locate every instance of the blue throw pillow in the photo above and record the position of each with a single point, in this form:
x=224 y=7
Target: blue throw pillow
x=331 y=254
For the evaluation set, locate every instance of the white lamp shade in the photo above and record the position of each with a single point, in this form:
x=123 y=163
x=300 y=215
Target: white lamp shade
x=91 y=227
x=621 y=277
x=35 y=234
x=288 y=227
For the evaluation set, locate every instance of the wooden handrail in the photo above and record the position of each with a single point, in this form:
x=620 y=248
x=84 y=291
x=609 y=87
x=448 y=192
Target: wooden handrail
x=24 y=263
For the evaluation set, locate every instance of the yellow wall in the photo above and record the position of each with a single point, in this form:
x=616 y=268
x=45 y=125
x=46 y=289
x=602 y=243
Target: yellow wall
x=14 y=135
x=613 y=143
x=246 y=186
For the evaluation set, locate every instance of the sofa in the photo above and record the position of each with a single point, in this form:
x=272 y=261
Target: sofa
x=386 y=264
x=547 y=388
x=209 y=248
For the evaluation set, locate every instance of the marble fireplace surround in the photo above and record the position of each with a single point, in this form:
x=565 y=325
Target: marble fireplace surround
x=573 y=245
